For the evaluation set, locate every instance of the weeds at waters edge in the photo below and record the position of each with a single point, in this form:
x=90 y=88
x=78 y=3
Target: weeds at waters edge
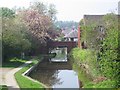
x=25 y=82
x=81 y=57
x=103 y=84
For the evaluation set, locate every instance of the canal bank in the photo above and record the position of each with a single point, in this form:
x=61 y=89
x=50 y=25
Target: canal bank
x=26 y=82
x=86 y=65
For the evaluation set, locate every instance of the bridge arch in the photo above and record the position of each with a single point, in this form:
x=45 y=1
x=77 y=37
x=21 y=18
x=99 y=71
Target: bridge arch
x=68 y=44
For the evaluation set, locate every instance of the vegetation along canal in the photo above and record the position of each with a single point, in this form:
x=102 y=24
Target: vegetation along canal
x=57 y=73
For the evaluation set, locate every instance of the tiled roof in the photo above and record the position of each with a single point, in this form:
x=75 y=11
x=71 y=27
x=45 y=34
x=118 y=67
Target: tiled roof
x=72 y=34
x=65 y=32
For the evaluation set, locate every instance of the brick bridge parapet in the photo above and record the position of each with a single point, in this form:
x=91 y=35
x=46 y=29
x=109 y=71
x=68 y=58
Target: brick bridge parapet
x=68 y=44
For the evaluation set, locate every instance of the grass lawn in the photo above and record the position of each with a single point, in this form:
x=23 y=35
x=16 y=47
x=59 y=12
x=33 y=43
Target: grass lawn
x=3 y=87
x=24 y=82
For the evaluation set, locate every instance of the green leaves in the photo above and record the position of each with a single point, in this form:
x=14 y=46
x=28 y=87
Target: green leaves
x=86 y=57
x=107 y=49
x=110 y=44
x=6 y=12
x=13 y=36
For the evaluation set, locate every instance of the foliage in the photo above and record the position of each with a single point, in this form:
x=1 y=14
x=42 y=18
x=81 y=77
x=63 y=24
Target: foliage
x=40 y=7
x=39 y=24
x=52 y=12
x=105 y=84
x=13 y=63
x=91 y=36
x=6 y=12
x=86 y=58
x=3 y=87
x=26 y=30
x=83 y=77
x=109 y=57
x=106 y=51
x=14 y=40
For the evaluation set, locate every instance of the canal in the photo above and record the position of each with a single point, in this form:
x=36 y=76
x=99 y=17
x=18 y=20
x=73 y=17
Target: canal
x=58 y=72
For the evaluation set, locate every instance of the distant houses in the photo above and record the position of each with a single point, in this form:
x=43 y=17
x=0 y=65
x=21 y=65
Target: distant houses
x=70 y=35
x=99 y=29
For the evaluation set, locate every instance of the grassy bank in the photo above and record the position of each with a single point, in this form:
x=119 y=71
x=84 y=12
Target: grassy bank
x=13 y=63
x=25 y=82
x=3 y=87
x=86 y=64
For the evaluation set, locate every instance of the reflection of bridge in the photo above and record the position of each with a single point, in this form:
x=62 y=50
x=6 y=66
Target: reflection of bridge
x=68 y=44
x=56 y=65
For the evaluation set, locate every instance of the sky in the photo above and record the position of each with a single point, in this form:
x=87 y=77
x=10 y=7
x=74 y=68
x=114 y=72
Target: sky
x=70 y=10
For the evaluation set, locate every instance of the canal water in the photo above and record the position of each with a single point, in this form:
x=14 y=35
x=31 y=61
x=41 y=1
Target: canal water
x=57 y=73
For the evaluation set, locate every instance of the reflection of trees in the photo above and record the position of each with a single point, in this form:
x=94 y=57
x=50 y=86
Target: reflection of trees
x=60 y=53
x=48 y=77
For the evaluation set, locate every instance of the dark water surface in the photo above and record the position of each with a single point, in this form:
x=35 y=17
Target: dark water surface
x=57 y=73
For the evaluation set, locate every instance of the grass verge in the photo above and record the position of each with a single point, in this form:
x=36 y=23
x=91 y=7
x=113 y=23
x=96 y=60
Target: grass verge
x=13 y=63
x=3 y=87
x=26 y=83
x=104 y=84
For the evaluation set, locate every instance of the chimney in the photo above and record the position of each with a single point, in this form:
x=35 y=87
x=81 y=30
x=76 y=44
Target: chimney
x=79 y=43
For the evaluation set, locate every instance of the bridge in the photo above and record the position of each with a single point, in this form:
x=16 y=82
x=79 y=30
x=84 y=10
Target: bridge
x=68 y=44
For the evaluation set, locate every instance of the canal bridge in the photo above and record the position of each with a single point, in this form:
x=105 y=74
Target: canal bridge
x=59 y=44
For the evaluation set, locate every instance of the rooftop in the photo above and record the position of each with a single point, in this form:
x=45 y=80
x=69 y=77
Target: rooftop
x=72 y=34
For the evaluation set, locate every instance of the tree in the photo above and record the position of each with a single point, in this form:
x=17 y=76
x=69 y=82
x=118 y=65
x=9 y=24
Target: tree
x=52 y=12
x=6 y=12
x=39 y=25
x=13 y=39
x=40 y=7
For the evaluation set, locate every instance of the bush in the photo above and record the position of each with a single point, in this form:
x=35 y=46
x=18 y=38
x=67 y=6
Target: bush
x=106 y=49
x=87 y=58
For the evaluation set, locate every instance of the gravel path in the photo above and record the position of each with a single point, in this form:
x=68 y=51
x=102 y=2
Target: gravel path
x=3 y=72
x=8 y=76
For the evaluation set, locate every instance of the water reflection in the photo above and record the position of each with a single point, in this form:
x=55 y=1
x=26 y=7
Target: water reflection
x=61 y=55
x=68 y=78
x=48 y=77
x=57 y=74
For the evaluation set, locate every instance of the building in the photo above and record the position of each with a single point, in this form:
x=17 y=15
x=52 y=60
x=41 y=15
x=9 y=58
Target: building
x=93 y=19
x=99 y=30
x=71 y=36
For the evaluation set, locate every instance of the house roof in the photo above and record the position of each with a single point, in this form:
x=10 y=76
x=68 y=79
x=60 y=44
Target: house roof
x=72 y=34
x=66 y=31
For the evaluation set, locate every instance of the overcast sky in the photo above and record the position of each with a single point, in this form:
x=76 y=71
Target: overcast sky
x=70 y=9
